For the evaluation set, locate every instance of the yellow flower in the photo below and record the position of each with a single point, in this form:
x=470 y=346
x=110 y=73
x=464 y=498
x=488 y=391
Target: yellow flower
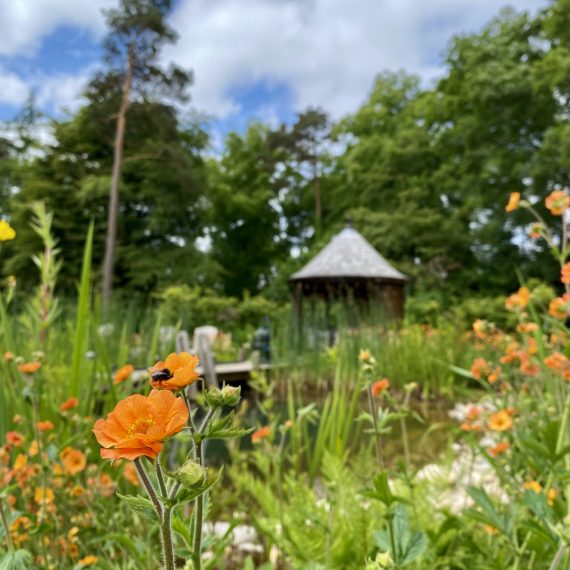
x=7 y=232
x=500 y=421
x=88 y=560
x=533 y=486
x=43 y=495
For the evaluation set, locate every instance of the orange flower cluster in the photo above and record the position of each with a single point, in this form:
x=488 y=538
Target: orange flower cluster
x=379 y=386
x=559 y=363
x=565 y=273
x=481 y=369
x=29 y=367
x=176 y=372
x=139 y=424
x=260 y=434
x=558 y=202
x=519 y=300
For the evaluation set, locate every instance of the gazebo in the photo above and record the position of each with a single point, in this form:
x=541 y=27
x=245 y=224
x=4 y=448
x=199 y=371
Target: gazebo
x=349 y=269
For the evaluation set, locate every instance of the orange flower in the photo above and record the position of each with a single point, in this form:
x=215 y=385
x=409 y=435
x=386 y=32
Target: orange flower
x=9 y=356
x=511 y=354
x=88 y=561
x=69 y=404
x=365 y=355
x=551 y=496
x=380 y=386
x=480 y=327
x=43 y=495
x=34 y=448
x=558 y=307
x=518 y=300
x=261 y=433
x=45 y=425
x=499 y=448
x=14 y=438
x=557 y=361
x=532 y=486
x=565 y=273
x=536 y=231
x=73 y=460
x=558 y=202
x=513 y=203
x=138 y=425
x=494 y=375
x=176 y=372
x=479 y=368
x=29 y=367
x=123 y=373
x=500 y=421
x=130 y=474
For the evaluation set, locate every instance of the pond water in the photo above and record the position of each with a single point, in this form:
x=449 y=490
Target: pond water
x=429 y=431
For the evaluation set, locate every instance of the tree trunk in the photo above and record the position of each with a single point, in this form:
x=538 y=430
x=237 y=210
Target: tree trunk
x=112 y=211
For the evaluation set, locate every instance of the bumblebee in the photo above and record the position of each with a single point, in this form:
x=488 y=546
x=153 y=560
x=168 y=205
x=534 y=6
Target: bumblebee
x=161 y=375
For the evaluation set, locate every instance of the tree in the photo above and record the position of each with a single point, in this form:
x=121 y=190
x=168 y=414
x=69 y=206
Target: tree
x=138 y=31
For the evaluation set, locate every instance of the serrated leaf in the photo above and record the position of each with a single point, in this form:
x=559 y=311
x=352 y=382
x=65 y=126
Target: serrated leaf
x=141 y=505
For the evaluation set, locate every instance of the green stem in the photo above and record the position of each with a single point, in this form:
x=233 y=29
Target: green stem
x=160 y=478
x=198 y=518
x=557 y=557
x=373 y=413
x=167 y=544
x=393 y=541
x=148 y=486
x=6 y=527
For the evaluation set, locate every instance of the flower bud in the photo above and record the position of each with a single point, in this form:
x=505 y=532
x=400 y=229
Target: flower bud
x=191 y=474
x=230 y=395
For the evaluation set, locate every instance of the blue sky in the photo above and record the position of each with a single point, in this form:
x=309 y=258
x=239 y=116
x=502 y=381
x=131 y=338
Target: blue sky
x=253 y=59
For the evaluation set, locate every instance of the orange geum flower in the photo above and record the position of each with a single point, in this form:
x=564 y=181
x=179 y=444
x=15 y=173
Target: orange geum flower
x=532 y=486
x=33 y=449
x=557 y=361
x=139 y=424
x=558 y=307
x=536 y=230
x=9 y=356
x=69 y=404
x=44 y=425
x=73 y=460
x=511 y=354
x=551 y=496
x=21 y=462
x=176 y=372
x=14 y=438
x=479 y=368
x=518 y=300
x=499 y=448
x=565 y=273
x=123 y=373
x=513 y=203
x=88 y=561
x=480 y=327
x=557 y=202
x=500 y=421
x=43 y=495
x=260 y=434
x=528 y=366
x=379 y=386
x=29 y=367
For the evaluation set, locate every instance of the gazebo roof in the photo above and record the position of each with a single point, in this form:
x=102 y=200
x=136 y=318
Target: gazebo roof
x=348 y=255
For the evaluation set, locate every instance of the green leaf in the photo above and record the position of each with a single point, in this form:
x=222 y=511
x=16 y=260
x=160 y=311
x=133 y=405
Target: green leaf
x=222 y=428
x=18 y=560
x=141 y=505
x=491 y=516
x=381 y=491
x=183 y=530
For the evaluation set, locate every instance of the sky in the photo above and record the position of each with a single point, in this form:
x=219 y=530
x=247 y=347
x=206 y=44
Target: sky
x=252 y=59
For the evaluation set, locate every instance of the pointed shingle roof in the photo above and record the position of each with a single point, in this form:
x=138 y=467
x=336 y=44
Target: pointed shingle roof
x=348 y=254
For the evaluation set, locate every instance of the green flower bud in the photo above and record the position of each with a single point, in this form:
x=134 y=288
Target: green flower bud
x=191 y=474
x=231 y=395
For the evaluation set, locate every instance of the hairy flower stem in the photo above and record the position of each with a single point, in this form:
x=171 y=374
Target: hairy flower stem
x=374 y=414
x=148 y=486
x=6 y=527
x=199 y=504
x=557 y=557
x=166 y=536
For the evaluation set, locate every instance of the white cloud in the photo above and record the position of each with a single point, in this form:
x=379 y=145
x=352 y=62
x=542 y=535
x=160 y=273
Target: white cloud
x=63 y=91
x=25 y=23
x=13 y=90
x=326 y=51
